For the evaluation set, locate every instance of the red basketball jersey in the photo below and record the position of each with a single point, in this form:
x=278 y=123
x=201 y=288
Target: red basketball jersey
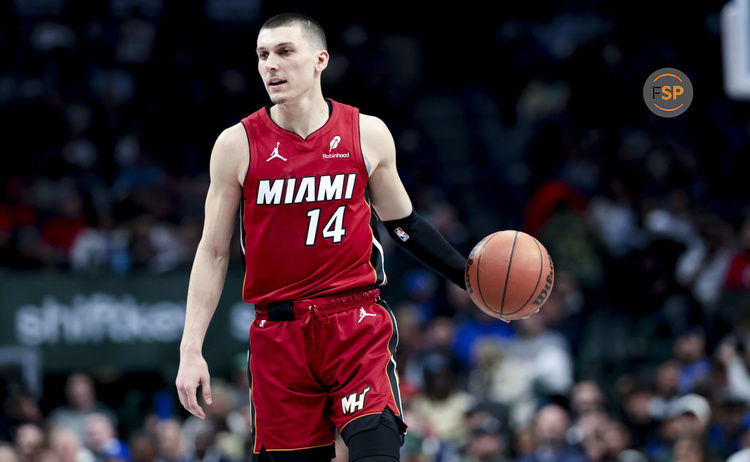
x=306 y=221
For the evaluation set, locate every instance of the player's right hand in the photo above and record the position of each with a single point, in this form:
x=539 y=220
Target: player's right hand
x=193 y=372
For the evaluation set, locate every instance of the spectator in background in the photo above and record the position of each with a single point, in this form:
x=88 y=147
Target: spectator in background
x=619 y=444
x=546 y=353
x=691 y=415
x=734 y=355
x=609 y=441
x=491 y=377
x=688 y=418
x=225 y=417
x=635 y=398
x=590 y=419
x=486 y=444
x=672 y=218
x=602 y=436
x=690 y=351
x=477 y=329
x=7 y=454
x=18 y=407
x=170 y=441
x=206 y=447
x=703 y=266
x=29 y=442
x=102 y=440
x=612 y=215
x=142 y=447
x=586 y=398
x=666 y=387
x=691 y=449
x=67 y=447
x=551 y=425
x=533 y=365
x=438 y=337
x=442 y=405
x=81 y=402
x=489 y=434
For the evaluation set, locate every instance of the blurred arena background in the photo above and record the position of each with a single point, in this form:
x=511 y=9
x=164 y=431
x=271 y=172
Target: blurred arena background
x=530 y=118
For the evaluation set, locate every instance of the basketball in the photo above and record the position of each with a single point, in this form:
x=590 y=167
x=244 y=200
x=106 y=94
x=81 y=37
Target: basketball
x=509 y=275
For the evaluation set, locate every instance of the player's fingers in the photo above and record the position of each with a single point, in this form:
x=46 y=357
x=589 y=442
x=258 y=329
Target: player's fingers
x=193 y=406
x=206 y=387
x=187 y=394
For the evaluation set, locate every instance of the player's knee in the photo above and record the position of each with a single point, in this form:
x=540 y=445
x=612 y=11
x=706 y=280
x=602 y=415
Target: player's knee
x=373 y=459
x=321 y=454
x=381 y=444
x=379 y=441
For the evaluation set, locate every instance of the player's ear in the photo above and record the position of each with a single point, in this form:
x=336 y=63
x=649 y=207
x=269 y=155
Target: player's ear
x=322 y=60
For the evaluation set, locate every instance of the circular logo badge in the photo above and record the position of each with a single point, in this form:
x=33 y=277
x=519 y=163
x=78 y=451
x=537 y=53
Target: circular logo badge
x=668 y=92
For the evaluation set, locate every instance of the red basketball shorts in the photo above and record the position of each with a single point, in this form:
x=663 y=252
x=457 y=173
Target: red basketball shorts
x=329 y=364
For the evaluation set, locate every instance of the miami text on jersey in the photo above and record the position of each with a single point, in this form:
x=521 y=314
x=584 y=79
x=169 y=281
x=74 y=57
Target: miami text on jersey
x=306 y=189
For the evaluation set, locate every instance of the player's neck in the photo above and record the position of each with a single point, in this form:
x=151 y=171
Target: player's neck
x=302 y=117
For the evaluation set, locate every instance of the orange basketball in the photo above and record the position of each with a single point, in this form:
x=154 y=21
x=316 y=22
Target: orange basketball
x=509 y=275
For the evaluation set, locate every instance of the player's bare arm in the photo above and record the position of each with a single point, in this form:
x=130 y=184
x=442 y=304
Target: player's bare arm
x=393 y=206
x=388 y=195
x=228 y=165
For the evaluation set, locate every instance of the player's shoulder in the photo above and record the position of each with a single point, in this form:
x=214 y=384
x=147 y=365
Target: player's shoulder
x=233 y=137
x=231 y=144
x=370 y=125
x=376 y=140
x=231 y=147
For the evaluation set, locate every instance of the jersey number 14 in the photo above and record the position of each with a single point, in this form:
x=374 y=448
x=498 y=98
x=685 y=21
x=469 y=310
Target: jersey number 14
x=333 y=230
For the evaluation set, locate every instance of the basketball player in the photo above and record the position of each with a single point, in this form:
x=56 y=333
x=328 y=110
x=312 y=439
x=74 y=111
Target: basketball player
x=308 y=175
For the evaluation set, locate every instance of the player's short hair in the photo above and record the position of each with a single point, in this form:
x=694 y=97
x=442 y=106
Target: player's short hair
x=310 y=27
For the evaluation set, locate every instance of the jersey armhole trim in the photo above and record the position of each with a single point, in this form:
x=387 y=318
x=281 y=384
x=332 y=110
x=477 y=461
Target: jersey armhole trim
x=249 y=156
x=361 y=157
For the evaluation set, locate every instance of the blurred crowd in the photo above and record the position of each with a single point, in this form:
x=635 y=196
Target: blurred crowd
x=642 y=352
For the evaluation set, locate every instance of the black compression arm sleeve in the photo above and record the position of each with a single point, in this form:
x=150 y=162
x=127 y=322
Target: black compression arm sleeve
x=428 y=246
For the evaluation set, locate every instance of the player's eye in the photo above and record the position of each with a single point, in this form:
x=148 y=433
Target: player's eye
x=285 y=51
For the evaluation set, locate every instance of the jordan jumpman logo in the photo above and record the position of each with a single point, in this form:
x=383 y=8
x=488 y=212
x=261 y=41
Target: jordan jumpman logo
x=363 y=313
x=275 y=153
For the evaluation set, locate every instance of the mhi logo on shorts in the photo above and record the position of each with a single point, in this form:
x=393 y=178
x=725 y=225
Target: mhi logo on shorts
x=354 y=402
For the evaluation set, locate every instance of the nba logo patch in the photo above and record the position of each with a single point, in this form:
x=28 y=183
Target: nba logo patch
x=402 y=235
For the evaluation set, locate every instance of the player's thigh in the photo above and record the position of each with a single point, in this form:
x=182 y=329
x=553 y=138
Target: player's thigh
x=290 y=409
x=361 y=365
x=366 y=398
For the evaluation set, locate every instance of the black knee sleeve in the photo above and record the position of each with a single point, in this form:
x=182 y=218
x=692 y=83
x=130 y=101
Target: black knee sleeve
x=321 y=454
x=376 y=439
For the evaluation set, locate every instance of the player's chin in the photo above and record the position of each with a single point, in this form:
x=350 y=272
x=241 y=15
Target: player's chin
x=278 y=99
